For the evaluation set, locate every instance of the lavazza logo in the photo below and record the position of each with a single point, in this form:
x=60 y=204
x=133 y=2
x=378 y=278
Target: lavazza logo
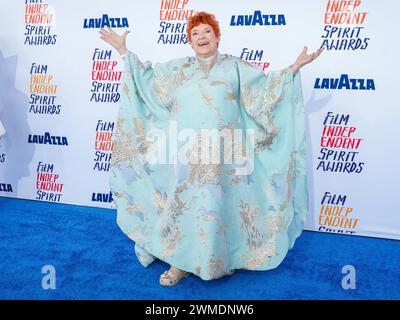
x=105 y=22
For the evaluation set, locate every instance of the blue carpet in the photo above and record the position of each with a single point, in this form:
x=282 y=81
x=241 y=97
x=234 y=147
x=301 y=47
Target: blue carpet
x=95 y=260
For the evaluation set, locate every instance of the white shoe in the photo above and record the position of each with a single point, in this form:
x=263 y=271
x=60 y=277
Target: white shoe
x=229 y=273
x=172 y=276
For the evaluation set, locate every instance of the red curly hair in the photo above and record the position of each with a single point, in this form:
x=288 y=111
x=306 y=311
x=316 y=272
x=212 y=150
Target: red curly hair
x=203 y=17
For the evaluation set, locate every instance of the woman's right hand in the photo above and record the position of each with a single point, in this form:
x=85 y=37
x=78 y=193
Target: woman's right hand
x=114 y=39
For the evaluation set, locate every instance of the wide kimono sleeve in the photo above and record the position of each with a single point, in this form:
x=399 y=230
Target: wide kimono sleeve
x=146 y=98
x=146 y=87
x=273 y=107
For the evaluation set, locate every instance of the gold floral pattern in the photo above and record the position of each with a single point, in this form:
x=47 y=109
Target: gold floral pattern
x=202 y=214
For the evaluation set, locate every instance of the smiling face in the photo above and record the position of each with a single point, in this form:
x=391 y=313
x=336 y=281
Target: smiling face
x=203 y=40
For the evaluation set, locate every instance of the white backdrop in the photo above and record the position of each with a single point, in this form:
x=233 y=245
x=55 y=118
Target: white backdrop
x=47 y=51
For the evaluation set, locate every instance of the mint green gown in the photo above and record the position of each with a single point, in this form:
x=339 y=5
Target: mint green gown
x=210 y=217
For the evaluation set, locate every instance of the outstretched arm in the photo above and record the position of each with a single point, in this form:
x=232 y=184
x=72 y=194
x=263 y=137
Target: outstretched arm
x=143 y=86
x=305 y=58
x=114 y=39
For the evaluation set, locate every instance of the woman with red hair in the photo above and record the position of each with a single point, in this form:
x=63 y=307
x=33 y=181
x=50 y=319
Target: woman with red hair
x=205 y=216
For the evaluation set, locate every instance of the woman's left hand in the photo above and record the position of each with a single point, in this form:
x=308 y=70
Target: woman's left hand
x=305 y=58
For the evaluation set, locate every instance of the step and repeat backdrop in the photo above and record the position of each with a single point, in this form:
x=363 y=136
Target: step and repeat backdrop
x=60 y=87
